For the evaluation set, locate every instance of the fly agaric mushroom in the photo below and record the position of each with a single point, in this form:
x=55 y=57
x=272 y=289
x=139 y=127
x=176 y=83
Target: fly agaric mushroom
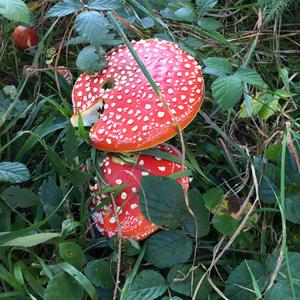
x=134 y=117
x=116 y=172
x=65 y=73
x=25 y=37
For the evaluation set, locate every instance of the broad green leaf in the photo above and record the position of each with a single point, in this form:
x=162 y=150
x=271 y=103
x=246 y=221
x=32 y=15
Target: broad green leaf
x=292 y=206
x=70 y=145
x=162 y=201
x=217 y=66
x=51 y=196
x=213 y=197
x=99 y=273
x=80 y=278
x=64 y=8
x=201 y=214
x=31 y=240
x=15 y=196
x=269 y=109
x=78 y=178
x=13 y=172
x=256 y=105
x=72 y=253
x=239 y=285
x=15 y=10
x=227 y=91
x=148 y=284
x=187 y=14
x=209 y=24
x=289 y=271
x=92 y=25
x=57 y=162
x=181 y=281
x=63 y=286
x=250 y=76
x=104 y=4
x=168 y=248
x=225 y=224
x=88 y=60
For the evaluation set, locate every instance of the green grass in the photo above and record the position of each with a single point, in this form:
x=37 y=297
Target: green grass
x=246 y=242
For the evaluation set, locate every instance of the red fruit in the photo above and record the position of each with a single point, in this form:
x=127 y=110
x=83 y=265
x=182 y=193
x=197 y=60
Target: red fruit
x=25 y=37
x=132 y=222
x=134 y=117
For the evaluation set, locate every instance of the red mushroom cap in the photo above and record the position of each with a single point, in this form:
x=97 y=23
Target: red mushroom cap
x=116 y=172
x=134 y=118
x=25 y=37
x=65 y=73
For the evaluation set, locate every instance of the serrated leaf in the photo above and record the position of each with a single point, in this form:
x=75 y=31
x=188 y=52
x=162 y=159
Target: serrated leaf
x=15 y=10
x=148 y=284
x=204 y=5
x=13 y=172
x=239 y=285
x=31 y=240
x=88 y=60
x=92 y=25
x=217 y=66
x=15 y=197
x=168 y=248
x=213 y=197
x=99 y=273
x=227 y=91
x=162 y=201
x=250 y=76
x=104 y=4
x=72 y=253
x=187 y=14
x=63 y=286
x=64 y=8
x=181 y=281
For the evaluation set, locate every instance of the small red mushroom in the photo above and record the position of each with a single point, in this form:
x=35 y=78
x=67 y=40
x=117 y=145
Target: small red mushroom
x=133 y=117
x=25 y=37
x=116 y=172
x=65 y=73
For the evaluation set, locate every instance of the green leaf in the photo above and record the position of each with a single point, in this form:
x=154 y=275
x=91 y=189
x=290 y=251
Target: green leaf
x=168 y=248
x=81 y=279
x=239 y=285
x=196 y=204
x=162 y=201
x=31 y=240
x=15 y=197
x=104 y=4
x=187 y=14
x=18 y=109
x=13 y=172
x=148 y=284
x=217 y=66
x=88 y=60
x=92 y=25
x=57 y=162
x=227 y=91
x=181 y=281
x=15 y=10
x=64 y=8
x=209 y=24
x=225 y=224
x=213 y=198
x=51 y=196
x=72 y=253
x=70 y=145
x=269 y=109
x=250 y=76
x=63 y=286
x=78 y=178
x=148 y=22
x=99 y=273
